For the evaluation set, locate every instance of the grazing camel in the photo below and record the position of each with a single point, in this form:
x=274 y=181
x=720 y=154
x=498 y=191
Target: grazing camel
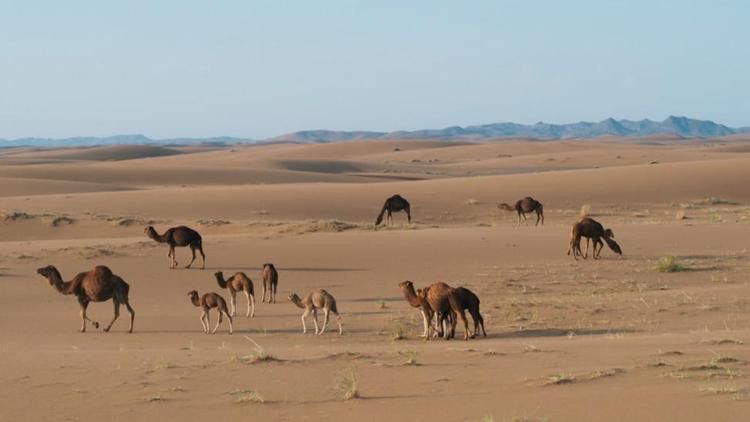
x=270 y=282
x=526 y=205
x=407 y=288
x=179 y=236
x=593 y=231
x=393 y=204
x=317 y=299
x=97 y=285
x=462 y=299
x=238 y=282
x=208 y=301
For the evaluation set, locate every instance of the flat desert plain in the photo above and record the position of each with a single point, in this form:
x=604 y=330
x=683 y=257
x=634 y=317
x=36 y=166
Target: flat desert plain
x=613 y=339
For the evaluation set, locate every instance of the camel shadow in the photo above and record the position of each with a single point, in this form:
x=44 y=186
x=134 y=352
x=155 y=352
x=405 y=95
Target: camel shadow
x=559 y=332
x=377 y=299
x=290 y=269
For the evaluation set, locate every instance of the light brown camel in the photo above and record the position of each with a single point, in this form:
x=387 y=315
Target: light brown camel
x=435 y=302
x=207 y=302
x=178 y=237
x=270 y=282
x=593 y=231
x=97 y=285
x=317 y=299
x=526 y=205
x=407 y=288
x=462 y=299
x=238 y=282
x=393 y=204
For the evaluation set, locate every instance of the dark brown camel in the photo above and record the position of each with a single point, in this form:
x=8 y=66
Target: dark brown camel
x=207 y=302
x=393 y=204
x=593 y=231
x=238 y=282
x=317 y=299
x=270 y=282
x=462 y=299
x=524 y=206
x=97 y=285
x=179 y=236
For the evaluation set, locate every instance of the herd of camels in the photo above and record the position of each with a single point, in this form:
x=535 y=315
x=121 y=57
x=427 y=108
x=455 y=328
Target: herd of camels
x=439 y=300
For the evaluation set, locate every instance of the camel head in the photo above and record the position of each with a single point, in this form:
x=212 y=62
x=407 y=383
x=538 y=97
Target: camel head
x=294 y=298
x=150 y=232
x=48 y=272
x=408 y=285
x=193 y=295
x=219 y=275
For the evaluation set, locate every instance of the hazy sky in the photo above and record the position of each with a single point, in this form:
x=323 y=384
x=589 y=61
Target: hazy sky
x=262 y=68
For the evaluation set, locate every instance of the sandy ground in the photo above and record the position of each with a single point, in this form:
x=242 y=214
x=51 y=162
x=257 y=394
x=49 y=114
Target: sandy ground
x=612 y=339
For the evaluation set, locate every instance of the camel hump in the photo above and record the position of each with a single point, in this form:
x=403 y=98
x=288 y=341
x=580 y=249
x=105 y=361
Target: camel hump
x=102 y=271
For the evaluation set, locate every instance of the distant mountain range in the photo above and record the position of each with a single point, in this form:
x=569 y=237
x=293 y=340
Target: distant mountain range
x=678 y=126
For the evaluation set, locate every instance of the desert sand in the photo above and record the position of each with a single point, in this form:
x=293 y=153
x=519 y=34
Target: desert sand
x=612 y=339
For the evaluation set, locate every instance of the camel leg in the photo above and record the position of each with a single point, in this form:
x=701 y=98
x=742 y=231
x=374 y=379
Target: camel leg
x=424 y=323
x=304 y=315
x=229 y=318
x=192 y=249
x=273 y=290
x=203 y=322
x=462 y=314
x=326 y=312
x=203 y=257
x=315 y=319
x=537 y=219
x=233 y=302
x=338 y=321
x=84 y=305
x=408 y=215
x=132 y=315
x=263 y=300
x=524 y=218
x=218 y=322
x=174 y=257
x=586 y=255
x=250 y=304
x=117 y=314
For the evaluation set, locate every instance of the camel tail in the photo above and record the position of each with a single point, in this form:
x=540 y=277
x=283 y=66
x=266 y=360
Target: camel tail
x=613 y=245
x=382 y=212
x=506 y=207
x=334 y=309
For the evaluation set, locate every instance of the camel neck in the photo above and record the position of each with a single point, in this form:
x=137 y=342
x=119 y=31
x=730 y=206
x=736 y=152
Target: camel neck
x=56 y=281
x=411 y=296
x=161 y=238
x=221 y=281
x=299 y=304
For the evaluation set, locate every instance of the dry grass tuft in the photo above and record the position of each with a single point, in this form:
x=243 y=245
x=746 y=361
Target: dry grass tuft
x=561 y=378
x=348 y=385
x=668 y=264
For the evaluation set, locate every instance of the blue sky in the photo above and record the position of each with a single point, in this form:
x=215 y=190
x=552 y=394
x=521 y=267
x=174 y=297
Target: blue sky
x=262 y=68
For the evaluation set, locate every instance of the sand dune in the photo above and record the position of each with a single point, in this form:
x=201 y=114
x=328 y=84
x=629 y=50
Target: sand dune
x=562 y=334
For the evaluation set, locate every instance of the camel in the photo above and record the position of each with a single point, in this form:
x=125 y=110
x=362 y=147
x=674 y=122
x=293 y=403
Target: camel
x=393 y=204
x=238 y=282
x=270 y=282
x=179 y=236
x=431 y=300
x=436 y=296
x=593 y=231
x=207 y=302
x=462 y=299
x=407 y=288
x=526 y=205
x=97 y=285
x=317 y=299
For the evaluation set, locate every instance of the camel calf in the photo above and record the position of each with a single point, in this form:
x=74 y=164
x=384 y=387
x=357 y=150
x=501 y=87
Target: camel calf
x=207 y=302
x=317 y=299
